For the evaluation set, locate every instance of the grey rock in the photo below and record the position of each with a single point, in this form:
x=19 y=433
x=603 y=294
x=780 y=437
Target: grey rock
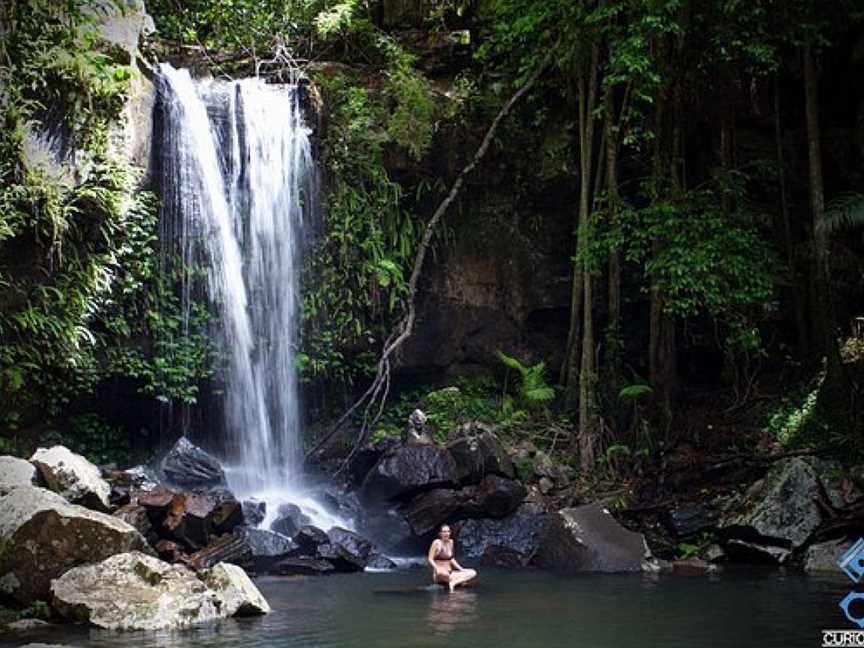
x=42 y=536
x=132 y=591
x=237 y=595
x=377 y=562
x=73 y=477
x=588 y=539
x=27 y=625
x=351 y=548
x=188 y=466
x=266 y=547
x=779 y=509
x=823 y=557
x=289 y=519
x=136 y=515
x=16 y=472
x=254 y=512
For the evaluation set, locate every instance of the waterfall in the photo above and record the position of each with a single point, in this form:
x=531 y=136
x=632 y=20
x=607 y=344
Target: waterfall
x=238 y=183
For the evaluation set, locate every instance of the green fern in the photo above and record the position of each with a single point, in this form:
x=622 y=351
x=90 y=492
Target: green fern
x=845 y=212
x=534 y=389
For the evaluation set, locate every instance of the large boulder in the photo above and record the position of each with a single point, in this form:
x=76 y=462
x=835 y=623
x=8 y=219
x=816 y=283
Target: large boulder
x=478 y=452
x=367 y=456
x=266 y=547
x=497 y=497
x=309 y=538
x=588 y=539
x=132 y=591
x=16 y=472
x=408 y=469
x=236 y=592
x=189 y=467
x=517 y=532
x=779 y=512
x=42 y=536
x=349 y=551
x=426 y=511
x=289 y=519
x=71 y=475
x=823 y=557
x=302 y=566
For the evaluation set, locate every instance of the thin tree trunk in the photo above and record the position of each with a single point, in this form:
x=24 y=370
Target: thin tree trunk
x=822 y=320
x=589 y=420
x=613 y=326
x=786 y=226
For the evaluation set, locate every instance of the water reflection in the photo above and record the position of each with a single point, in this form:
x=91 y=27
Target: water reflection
x=448 y=611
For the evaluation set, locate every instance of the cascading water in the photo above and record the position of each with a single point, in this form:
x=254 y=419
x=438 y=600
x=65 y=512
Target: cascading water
x=239 y=181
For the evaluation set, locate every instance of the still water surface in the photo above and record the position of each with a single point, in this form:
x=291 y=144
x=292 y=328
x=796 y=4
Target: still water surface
x=742 y=609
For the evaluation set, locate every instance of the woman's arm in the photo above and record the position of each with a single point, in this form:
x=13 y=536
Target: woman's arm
x=456 y=564
x=430 y=557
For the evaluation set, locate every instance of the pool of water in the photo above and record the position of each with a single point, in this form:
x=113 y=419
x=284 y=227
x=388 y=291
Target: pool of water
x=741 y=609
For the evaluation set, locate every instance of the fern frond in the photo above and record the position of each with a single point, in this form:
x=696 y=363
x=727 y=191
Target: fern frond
x=844 y=212
x=512 y=363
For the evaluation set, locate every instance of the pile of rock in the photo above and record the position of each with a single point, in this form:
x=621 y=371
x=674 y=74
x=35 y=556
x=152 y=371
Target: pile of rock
x=471 y=483
x=59 y=543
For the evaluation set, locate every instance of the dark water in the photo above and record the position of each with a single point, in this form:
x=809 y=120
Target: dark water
x=505 y=609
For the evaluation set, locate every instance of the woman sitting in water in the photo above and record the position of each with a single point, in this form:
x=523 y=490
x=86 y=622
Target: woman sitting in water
x=445 y=569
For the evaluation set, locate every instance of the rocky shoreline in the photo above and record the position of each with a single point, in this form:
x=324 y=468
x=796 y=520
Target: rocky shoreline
x=170 y=546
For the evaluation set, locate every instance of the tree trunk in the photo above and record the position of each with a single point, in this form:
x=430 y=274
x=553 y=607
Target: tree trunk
x=822 y=320
x=613 y=326
x=786 y=227
x=589 y=416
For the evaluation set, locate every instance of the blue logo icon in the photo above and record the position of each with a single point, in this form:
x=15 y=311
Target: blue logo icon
x=846 y=602
x=852 y=562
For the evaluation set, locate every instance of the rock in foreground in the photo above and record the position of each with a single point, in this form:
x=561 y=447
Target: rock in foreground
x=16 y=472
x=588 y=539
x=42 y=536
x=132 y=591
x=73 y=477
x=778 y=513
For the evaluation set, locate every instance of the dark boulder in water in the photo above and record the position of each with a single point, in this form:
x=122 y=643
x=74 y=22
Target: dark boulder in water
x=308 y=538
x=408 y=469
x=518 y=532
x=289 y=520
x=298 y=566
x=379 y=562
x=188 y=466
x=350 y=549
x=588 y=539
x=266 y=547
x=497 y=556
